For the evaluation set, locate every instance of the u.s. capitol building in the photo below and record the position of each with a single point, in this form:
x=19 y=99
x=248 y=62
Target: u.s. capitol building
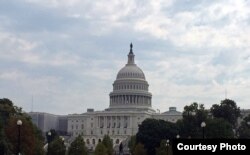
x=130 y=104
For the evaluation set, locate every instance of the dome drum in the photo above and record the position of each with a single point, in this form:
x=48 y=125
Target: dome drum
x=137 y=100
x=130 y=93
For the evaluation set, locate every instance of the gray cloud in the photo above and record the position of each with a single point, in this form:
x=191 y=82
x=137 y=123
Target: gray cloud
x=65 y=53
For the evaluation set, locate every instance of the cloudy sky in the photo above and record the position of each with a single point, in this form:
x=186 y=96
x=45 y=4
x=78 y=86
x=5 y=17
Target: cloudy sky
x=66 y=53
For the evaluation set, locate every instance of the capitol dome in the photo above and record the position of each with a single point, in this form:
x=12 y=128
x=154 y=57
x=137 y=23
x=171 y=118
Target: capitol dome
x=130 y=71
x=130 y=89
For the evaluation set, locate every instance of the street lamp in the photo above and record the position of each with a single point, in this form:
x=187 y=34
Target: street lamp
x=167 y=144
x=19 y=124
x=203 y=125
x=62 y=138
x=248 y=123
x=177 y=136
x=49 y=138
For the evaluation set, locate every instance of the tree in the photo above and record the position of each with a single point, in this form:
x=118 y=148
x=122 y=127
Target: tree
x=218 y=128
x=227 y=110
x=56 y=147
x=193 y=115
x=31 y=141
x=139 y=150
x=7 y=110
x=100 y=149
x=244 y=129
x=77 y=147
x=107 y=142
x=132 y=144
x=162 y=150
x=152 y=131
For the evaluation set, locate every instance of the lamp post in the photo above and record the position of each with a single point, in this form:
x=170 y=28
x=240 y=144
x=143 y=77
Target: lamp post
x=177 y=136
x=19 y=124
x=203 y=125
x=167 y=144
x=62 y=138
x=49 y=139
x=248 y=123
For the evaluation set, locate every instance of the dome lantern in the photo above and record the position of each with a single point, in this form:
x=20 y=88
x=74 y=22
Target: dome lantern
x=131 y=56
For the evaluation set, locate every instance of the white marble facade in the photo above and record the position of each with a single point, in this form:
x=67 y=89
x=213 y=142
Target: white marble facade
x=130 y=104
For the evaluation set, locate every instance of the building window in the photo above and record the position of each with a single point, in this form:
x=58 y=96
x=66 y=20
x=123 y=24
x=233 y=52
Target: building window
x=72 y=127
x=117 y=141
x=82 y=126
x=125 y=132
x=118 y=132
x=76 y=127
x=91 y=132
x=101 y=132
x=87 y=141
x=91 y=125
x=93 y=141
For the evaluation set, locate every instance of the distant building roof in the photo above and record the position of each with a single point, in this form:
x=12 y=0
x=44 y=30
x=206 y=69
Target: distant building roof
x=172 y=111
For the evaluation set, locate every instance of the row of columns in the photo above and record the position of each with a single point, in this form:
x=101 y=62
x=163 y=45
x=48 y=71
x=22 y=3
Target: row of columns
x=137 y=87
x=113 y=121
x=130 y=99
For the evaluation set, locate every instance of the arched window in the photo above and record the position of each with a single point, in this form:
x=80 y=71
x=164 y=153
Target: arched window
x=87 y=141
x=93 y=141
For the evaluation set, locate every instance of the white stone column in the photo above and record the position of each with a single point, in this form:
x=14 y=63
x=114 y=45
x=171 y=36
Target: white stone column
x=98 y=121
x=104 y=121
